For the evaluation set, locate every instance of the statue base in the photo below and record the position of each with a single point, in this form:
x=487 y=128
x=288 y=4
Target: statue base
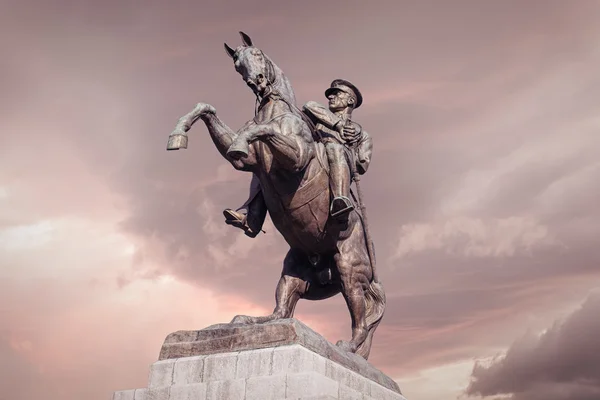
x=277 y=360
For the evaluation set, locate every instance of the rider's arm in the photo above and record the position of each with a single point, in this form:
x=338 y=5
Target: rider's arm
x=364 y=152
x=320 y=114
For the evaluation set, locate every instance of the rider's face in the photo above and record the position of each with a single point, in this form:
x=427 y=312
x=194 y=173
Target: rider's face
x=250 y=63
x=339 y=100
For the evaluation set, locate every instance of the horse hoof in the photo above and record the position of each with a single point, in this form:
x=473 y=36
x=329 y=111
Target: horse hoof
x=241 y=319
x=346 y=346
x=237 y=154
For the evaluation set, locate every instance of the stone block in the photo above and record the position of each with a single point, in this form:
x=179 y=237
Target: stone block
x=226 y=390
x=266 y=387
x=294 y=359
x=254 y=363
x=308 y=384
x=347 y=393
x=188 y=370
x=194 y=391
x=161 y=373
x=161 y=393
x=220 y=367
x=346 y=377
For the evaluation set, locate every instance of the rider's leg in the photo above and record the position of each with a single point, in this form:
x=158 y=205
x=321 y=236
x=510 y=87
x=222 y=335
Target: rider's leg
x=339 y=179
x=252 y=218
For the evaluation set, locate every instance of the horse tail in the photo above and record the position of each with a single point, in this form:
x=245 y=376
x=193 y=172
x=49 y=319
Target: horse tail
x=375 y=308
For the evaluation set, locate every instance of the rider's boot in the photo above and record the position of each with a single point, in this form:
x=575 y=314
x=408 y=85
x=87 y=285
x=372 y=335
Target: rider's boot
x=239 y=220
x=252 y=220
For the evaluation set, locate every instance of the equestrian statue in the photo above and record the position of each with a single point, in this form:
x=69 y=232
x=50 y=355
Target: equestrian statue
x=303 y=163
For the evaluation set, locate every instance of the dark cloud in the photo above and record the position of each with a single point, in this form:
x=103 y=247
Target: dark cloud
x=560 y=364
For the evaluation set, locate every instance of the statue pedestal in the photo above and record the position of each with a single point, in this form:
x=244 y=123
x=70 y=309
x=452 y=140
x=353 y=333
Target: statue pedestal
x=278 y=360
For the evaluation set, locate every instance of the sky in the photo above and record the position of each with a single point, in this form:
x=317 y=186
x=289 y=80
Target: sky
x=482 y=192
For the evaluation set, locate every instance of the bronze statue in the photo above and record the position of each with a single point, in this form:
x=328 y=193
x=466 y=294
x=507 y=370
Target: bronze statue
x=328 y=254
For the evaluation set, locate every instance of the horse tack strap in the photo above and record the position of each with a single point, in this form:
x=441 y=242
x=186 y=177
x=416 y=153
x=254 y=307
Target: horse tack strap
x=309 y=191
x=274 y=118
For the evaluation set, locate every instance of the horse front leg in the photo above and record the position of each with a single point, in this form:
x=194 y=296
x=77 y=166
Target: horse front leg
x=221 y=135
x=178 y=139
x=289 y=290
x=289 y=142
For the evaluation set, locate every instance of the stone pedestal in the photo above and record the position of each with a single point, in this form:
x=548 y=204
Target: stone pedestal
x=278 y=360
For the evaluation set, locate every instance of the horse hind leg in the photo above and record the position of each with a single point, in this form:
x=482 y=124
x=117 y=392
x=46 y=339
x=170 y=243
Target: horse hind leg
x=289 y=290
x=354 y=278
x=375 y=308
x=365 y=297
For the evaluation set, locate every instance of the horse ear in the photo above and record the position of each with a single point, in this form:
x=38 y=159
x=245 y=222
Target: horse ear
x=246 y=39
x=230 y=52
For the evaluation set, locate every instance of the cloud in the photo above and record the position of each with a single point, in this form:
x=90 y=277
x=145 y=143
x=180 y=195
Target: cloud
x=445 y=381
x=69 y=330
x=482 y=185
x=560 y=364
x=21 y=377
x=469 y=237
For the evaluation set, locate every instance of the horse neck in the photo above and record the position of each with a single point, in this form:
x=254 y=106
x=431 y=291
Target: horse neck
x=272 y=108
x=282 y=84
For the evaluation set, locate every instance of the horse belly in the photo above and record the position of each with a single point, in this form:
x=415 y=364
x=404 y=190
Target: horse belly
x=304 y=227
x=301 y=218
x=298 y=204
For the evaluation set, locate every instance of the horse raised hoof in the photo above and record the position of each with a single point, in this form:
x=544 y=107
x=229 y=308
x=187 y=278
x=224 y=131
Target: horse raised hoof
x=242 y=319
x=177 y=140
x=237 y=154
x=239 y=149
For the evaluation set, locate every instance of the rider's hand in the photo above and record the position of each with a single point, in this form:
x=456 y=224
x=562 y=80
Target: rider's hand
x=349 y=133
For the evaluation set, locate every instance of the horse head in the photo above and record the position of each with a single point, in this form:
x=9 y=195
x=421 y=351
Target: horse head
x=258 y=71
x=251 y=63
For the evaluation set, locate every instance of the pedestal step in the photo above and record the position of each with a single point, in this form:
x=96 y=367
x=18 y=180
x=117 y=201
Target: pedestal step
x=277 y=360
x=281 y=373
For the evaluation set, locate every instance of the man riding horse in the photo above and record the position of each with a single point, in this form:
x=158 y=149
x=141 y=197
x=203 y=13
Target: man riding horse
x=346 y=144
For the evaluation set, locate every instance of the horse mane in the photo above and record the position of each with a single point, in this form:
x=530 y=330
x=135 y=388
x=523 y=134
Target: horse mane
x=283 y=87
x=281 y=84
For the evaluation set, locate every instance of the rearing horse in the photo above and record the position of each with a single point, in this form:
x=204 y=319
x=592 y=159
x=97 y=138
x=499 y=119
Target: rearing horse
x=326 y=257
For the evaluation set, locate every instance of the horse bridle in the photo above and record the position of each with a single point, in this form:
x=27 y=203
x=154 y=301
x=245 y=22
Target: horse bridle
x=271 y=80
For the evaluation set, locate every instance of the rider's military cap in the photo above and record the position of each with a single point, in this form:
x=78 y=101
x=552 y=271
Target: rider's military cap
x=347 y=87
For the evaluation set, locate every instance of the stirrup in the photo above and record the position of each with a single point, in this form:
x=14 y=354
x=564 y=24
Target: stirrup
x=343 y=205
